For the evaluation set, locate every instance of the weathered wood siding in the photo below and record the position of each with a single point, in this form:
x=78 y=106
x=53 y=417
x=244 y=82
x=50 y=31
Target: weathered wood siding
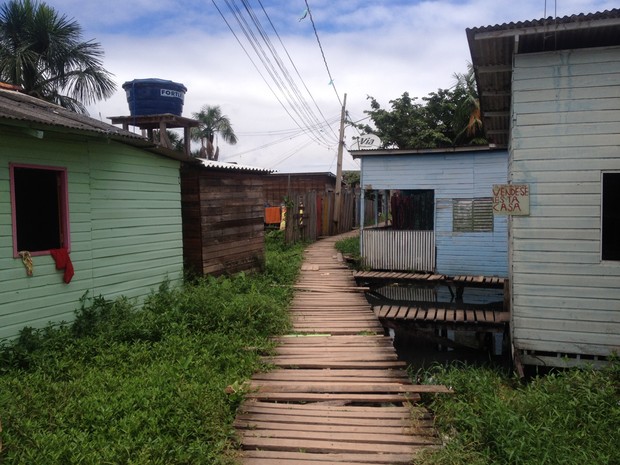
x=462 y=175
x=223 y=214
x=566 y=131
x=281 y=185
x=125 y=225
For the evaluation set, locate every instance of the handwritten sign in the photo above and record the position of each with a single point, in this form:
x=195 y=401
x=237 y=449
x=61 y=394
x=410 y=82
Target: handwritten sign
x=511 y=199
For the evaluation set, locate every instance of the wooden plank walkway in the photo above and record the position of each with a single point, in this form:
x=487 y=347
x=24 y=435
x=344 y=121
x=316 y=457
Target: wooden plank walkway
x=338 y=393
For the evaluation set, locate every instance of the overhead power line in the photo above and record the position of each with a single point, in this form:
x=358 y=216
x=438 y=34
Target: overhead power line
x=316 y=34
x=281 y=82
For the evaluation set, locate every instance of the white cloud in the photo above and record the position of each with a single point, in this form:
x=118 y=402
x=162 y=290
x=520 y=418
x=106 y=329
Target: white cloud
x=380 y=48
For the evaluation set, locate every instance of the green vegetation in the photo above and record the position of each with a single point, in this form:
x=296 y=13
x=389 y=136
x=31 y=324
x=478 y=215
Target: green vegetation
x=43 y=52
x=349 y=246
x=568 y=417
x=144 y=385
x=444 y=118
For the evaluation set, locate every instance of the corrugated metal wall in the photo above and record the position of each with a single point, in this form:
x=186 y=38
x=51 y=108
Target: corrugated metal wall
x=387 y=249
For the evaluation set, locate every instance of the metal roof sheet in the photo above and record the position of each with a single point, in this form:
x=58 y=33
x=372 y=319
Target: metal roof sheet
x=24 y=110
x=437 y=151
x=492 y=49
x=220 y=165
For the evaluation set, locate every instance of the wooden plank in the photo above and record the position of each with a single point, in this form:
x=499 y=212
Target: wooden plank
x=310 y=387
x=327 y=374
x=324 y=410
x=253 y=424
x=262 y=457
x=376 y=439
x=323 y=397
x=326 y=446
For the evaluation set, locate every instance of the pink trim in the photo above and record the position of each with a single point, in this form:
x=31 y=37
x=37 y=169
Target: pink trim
x=64 y=207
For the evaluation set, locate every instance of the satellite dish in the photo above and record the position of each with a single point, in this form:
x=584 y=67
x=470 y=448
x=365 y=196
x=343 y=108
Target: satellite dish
x=367 y=142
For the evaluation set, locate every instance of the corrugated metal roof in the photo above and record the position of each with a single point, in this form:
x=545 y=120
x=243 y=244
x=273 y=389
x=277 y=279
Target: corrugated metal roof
x=437 y=151
x=33 y=113
x=219 y=165
x=492 y=49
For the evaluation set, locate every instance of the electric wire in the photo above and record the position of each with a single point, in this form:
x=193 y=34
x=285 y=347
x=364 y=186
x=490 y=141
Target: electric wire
x=268 y=65
x=295 y=68
x=295 y=120
x=256 y=67
x=316 y=34
x=268 y=56
x=285 y=73
x=292 y=152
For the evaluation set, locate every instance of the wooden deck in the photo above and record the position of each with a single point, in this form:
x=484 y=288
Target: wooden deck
x=444 y=316
x=337 y=393
x=429 y=278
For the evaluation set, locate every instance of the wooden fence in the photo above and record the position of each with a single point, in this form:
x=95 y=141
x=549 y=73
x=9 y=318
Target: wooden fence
x=311 y=215
x=388 y=249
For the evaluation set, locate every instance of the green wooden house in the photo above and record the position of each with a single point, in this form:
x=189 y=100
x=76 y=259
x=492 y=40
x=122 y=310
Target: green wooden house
x=104 y=198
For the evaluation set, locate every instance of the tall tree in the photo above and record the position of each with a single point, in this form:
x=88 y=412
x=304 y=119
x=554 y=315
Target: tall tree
x=42 y=52
x=444 y=118
x=212 y=124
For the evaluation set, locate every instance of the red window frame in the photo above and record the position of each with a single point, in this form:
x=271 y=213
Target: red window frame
x=63 y=205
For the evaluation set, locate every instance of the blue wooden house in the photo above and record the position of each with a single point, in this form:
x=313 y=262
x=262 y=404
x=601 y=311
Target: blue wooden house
x=98 y=202
x=438 y=204
x=550 y=93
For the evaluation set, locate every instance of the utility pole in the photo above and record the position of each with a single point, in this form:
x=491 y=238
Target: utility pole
x=338 y=191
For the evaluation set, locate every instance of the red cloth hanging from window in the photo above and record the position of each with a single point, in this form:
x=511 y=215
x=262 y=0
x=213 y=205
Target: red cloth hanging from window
x=63 y=262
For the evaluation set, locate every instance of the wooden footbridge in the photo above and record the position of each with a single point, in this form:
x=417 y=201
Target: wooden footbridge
x=338 y=393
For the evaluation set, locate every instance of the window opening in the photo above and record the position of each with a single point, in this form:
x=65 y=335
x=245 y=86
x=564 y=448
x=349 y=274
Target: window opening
x=611 y=217
x=413 y=210
x=39 y=208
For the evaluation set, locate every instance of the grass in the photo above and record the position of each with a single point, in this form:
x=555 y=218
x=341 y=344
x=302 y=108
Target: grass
x=351 y=247
x=567 y=417
x=127 y=385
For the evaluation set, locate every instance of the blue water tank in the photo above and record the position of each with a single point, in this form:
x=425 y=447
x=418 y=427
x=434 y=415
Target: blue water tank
x=154 y=97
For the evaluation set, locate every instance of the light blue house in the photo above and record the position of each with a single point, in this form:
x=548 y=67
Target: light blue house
x=550 y=93
x=105 y=199
x=441 y=210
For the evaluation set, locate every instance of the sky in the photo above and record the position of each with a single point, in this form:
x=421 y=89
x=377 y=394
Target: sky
x=287 y=117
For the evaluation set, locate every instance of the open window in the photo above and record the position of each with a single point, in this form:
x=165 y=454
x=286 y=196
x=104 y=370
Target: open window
x=472 y=215
x=39 y=208
x=413 y=210
x=610 y=216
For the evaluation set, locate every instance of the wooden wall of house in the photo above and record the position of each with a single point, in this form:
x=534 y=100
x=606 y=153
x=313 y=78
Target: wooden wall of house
x=223 y=214
x=566 y=132
x=462 y=175
x=125 y=227
x=279 y=186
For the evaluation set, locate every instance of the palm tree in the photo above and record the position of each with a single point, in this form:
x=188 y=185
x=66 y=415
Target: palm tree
x=212 y=123
x=468 y=119
x=42 y=52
